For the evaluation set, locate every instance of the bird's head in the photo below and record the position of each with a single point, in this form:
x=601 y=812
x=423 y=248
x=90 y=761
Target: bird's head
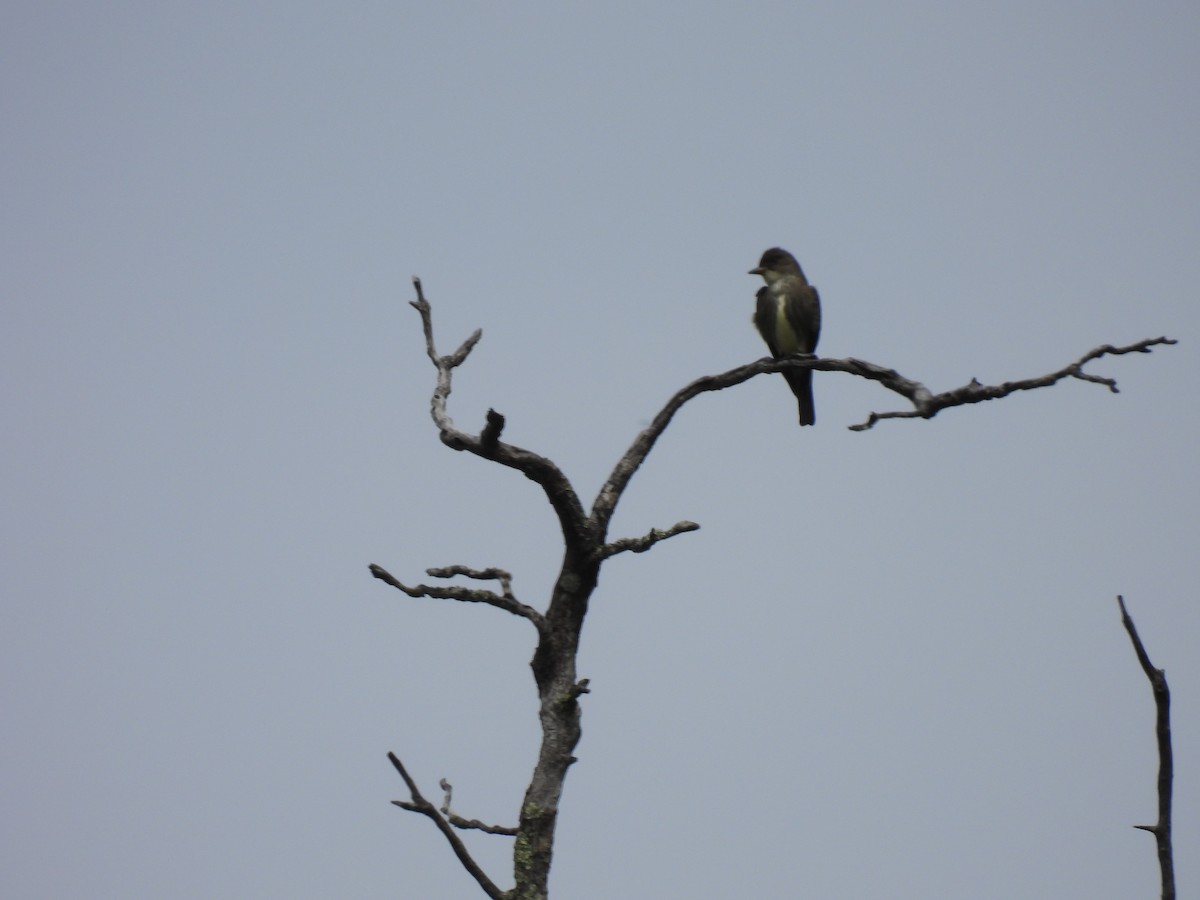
x=775 y=264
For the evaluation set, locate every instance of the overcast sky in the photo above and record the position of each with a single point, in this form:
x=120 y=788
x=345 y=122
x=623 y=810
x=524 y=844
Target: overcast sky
x=890 y=664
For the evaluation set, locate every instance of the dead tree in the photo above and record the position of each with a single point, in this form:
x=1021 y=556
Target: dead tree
x=1166 y=766
x=586 y=545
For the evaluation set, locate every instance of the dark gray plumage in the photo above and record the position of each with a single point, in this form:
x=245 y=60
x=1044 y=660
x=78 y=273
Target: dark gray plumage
x=788 y=316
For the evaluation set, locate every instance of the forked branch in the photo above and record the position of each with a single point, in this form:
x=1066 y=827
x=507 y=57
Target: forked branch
x=420 y=805
x=487 y=444
x=505 y=601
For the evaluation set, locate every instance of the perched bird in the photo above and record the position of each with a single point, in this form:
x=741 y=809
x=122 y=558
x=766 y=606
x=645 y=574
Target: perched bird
x=788 y=317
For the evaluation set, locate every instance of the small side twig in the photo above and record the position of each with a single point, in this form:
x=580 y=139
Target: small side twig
x=489 y=574
x=505 y=601
x=646 y=541
x=467 y=824
x=1162 y=703
x=420 y=805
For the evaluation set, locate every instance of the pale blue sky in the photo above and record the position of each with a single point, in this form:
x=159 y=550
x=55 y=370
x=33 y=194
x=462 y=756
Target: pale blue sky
x=889 y=665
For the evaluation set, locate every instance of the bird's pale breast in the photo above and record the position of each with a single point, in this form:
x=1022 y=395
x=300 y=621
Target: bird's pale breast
x=785 y=335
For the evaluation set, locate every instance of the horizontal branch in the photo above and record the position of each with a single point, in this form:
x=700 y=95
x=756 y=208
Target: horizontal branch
x=927 y=405
x=505 y=601
x=648 y=540
x=420 y=805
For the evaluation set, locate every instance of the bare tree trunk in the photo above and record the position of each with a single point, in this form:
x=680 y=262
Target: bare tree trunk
x=558 y=694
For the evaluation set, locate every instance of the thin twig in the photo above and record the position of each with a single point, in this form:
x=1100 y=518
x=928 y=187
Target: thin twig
x=506 y=602
x=467 y=824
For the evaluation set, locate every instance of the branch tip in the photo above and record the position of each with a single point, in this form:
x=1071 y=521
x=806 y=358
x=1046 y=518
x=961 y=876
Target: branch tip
x=648 y=540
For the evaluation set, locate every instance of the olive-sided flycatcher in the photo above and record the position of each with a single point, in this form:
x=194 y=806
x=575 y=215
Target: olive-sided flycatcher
x=788 y=317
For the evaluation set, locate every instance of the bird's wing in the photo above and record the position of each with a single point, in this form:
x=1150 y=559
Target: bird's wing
x=764 y=319
x=804 y=315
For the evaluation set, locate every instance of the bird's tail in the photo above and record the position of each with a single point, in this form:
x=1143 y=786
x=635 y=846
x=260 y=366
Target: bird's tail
x=800 y=381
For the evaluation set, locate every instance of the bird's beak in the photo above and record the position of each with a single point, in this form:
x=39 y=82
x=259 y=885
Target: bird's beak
x=757 y=270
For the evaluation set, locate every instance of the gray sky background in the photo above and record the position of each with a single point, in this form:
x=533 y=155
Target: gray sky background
x=889 y=665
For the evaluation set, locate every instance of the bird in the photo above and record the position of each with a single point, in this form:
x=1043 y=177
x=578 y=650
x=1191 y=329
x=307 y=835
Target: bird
x=788 y=316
